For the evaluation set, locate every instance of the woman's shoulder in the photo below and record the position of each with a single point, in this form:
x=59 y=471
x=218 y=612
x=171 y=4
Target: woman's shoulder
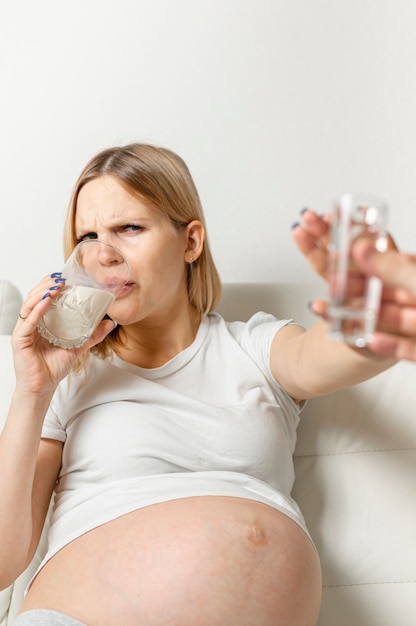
x=254 y=335
x=257 y=322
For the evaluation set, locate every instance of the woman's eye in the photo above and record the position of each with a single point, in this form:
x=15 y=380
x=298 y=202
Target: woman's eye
x=126 y=228
x=131 y=227
x=87 y=236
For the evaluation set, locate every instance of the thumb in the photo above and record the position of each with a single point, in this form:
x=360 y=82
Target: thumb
x=393 y=268
x=103 y=329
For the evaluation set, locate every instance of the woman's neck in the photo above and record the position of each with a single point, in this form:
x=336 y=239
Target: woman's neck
x=151 y=344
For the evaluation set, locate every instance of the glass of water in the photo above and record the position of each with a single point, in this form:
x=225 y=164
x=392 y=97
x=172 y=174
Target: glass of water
x=354 y=299
x=95 y=274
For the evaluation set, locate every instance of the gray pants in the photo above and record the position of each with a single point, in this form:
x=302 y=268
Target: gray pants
x=44 y=617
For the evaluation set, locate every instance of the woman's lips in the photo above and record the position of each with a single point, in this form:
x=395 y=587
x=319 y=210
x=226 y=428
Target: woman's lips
x=125 y=288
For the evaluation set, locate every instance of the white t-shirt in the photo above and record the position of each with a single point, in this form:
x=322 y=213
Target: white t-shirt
x=211 y=421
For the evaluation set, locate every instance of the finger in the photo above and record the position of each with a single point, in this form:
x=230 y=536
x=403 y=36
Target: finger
x=400 y=348
x=26 y=333
x=350 y=285
x=47 y=288
x=395 y=269
x=398 y=295
x=319 y=308
x=317 y=225
x=306 y=241
x=400 y=320
x=311 y=237
x=103 y=329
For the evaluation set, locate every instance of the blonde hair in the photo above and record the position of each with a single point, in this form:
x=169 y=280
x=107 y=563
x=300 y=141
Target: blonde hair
x=162 y=177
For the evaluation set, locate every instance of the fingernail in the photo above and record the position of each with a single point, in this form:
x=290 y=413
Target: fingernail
x=304 y=210
x=46 y=295
x=54 y=288
x=56 y=274
x=295 y=225
x=60 y=280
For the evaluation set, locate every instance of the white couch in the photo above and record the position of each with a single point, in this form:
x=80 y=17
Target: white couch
x=355 y=476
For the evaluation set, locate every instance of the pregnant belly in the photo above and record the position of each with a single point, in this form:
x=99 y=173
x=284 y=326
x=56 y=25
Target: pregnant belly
x=202 y=560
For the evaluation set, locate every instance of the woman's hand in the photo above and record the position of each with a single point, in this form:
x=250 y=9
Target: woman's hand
x=39 y=365
x=396 y=328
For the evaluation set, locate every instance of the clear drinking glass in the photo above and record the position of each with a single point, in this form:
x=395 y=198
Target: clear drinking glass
x=95 y=274
x=354 y=299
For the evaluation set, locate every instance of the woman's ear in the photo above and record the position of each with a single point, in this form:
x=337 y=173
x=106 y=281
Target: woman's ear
x=195 y=235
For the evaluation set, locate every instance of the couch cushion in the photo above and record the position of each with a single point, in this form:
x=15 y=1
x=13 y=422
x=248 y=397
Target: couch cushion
x=10 y=302
x=355 y=465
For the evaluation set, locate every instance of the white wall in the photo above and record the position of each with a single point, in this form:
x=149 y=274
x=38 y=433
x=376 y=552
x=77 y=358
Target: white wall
x=274 y=104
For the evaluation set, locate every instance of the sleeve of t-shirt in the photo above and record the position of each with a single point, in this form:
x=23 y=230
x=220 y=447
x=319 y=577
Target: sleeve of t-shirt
x=52 y=427
x=256 y=339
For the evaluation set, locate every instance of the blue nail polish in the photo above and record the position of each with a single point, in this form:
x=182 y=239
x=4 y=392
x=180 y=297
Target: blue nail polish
x=295 y=225
x=304 y=210
x=60 y=280
x=46 y=295
x=54 y=288
x=56 y=274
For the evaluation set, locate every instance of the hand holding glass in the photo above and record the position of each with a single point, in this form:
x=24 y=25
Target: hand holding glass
x=354 y=299
x=95 y=274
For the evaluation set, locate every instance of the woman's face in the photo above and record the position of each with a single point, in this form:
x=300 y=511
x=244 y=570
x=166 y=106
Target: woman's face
x=156 y=251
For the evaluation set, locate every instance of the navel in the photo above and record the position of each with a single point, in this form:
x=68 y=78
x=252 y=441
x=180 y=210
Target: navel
x=257 y=535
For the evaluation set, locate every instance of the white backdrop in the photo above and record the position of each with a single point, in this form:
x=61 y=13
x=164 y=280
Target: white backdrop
x=274 y=104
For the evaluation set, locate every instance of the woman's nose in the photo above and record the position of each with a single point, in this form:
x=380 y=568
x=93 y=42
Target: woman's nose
x=108 y=255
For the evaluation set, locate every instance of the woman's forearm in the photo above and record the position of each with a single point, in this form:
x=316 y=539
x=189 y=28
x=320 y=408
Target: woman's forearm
x=310 y=364
x=19 y=445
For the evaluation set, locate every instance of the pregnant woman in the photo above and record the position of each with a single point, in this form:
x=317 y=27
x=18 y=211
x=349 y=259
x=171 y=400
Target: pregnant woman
x=166 y=440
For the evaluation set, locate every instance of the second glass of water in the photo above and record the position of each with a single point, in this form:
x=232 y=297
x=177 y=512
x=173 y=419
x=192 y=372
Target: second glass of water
x=354 y=299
